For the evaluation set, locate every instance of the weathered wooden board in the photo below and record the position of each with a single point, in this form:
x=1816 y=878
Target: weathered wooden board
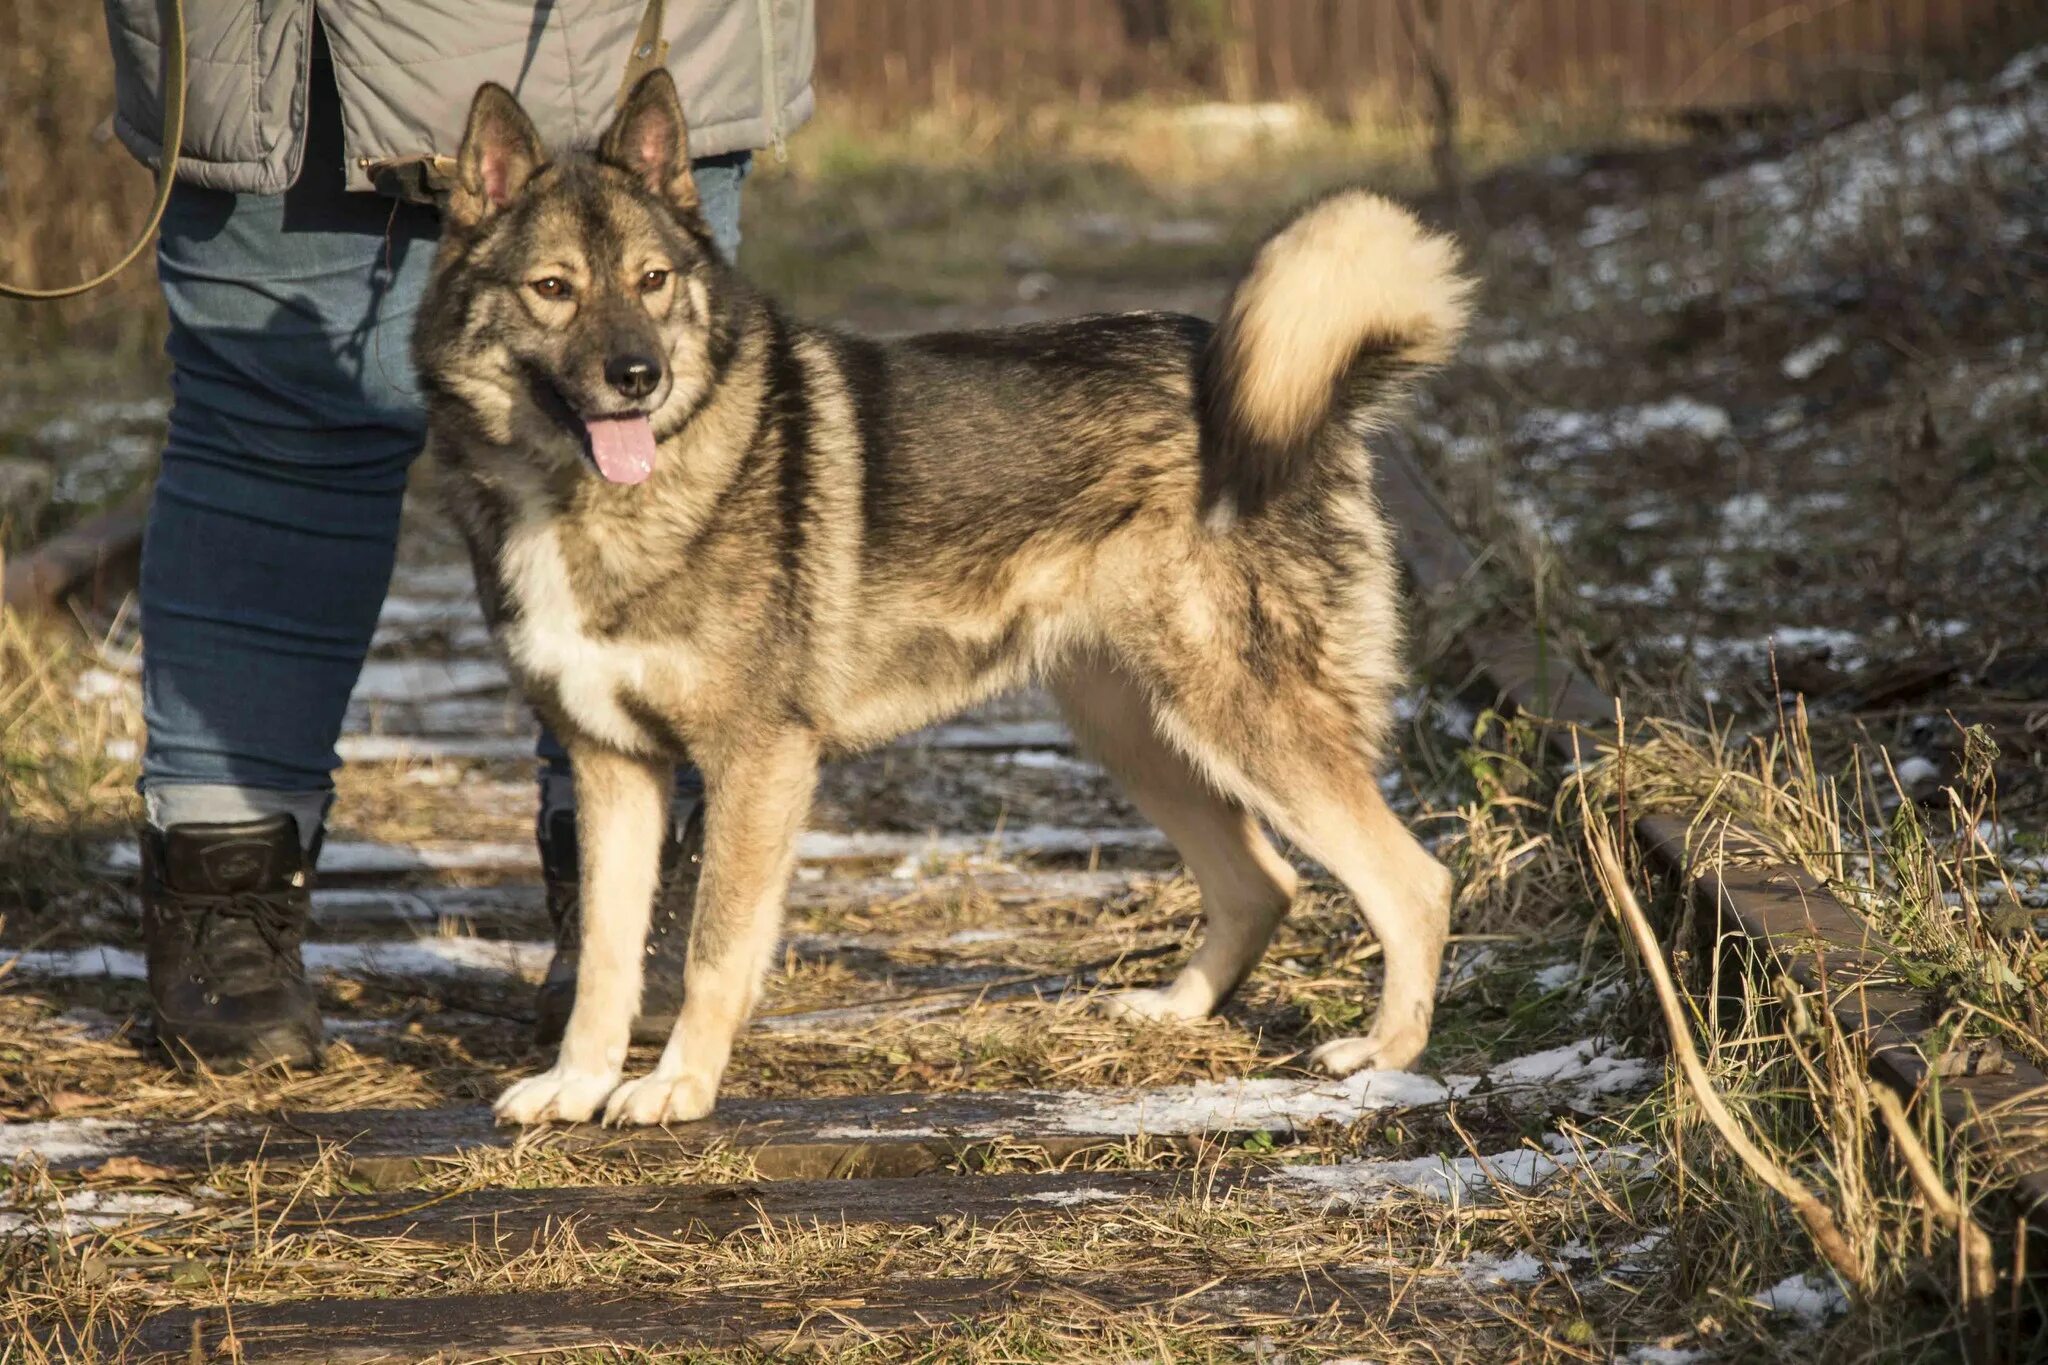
x=347 y=863
x=520 y=907
x=357 y=1331
x=878 y=1135
x=509 y=1220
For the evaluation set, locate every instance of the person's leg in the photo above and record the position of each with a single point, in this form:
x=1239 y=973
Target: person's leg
x=274 y=521
x=272 y=532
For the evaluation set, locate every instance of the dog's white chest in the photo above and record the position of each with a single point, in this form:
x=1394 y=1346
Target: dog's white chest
x=547 y=640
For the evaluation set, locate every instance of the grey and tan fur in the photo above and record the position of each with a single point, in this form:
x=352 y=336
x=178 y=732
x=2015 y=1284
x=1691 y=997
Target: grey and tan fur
x=1171 y=528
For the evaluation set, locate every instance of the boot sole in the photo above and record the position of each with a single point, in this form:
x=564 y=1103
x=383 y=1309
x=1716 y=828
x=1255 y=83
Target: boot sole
x=239 y=1050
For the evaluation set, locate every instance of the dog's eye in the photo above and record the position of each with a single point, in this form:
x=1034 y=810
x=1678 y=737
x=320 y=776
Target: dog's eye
x=653 y=280
x=551 y=287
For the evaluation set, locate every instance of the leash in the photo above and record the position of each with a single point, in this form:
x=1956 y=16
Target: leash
x=171 y=13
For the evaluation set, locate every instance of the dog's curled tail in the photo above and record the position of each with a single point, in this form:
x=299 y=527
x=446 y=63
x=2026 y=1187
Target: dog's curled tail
x=1340 y=307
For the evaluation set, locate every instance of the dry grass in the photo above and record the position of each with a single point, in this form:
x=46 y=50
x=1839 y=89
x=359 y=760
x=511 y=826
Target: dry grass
x=1926 y=876
x=72 y=199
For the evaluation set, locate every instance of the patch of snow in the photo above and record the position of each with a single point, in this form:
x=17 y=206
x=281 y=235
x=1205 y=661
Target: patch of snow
x=1809 y=1298
x=1995 y=395
x=1609 y=223
x=1577 y=1074
x=969 y=936
x=1745 y=514
x=417 y=679
x=1803 y=362
x=1047 y=760
x=1069 y=1198
x=1512 y=355
x=1680 y=414
x=88 y=1210
x=98 y=683
x=1562 y=433
x=422 y=957
x=67 y=1140
x=1249 y=1105
x=1585 y=1066
x=1452 y=1179
x=1517 y=1267
x=434 y=748
x=2022 y=70
x=1914 y=772
x=1663 y=1355
x=1831 y=190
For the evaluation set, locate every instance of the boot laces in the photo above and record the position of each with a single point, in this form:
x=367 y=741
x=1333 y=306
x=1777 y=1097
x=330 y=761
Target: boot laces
x=272 y=914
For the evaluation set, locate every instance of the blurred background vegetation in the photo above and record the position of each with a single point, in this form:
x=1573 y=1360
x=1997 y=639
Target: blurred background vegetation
x=975 y=157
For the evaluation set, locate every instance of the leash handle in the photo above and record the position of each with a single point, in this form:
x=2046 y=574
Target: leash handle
x=172 y=15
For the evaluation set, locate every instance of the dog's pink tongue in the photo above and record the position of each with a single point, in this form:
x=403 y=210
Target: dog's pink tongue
x=622 y=446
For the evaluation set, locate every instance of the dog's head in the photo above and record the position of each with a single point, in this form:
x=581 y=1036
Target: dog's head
x=573 y=305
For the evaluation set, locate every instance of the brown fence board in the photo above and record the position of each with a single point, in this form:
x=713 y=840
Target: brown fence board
x=1650 y=55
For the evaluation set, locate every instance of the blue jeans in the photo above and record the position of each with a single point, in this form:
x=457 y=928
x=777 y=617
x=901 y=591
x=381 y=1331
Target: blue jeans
x=274 y=523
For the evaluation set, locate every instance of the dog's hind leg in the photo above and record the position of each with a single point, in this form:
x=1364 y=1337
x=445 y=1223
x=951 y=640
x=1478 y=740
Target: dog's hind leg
x=1340 y=819
x=758 y=797
x=1315 y=784
x=1246 y=886
x=621 y=803
x=1290 y=749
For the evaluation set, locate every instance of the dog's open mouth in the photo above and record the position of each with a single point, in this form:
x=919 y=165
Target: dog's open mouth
x=622 y=448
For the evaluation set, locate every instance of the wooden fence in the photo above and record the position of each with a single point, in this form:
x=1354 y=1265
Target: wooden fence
x=1670 y=55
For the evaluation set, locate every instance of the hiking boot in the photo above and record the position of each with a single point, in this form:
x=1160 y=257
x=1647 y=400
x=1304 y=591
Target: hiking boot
x=224 y=909
x=668 y=930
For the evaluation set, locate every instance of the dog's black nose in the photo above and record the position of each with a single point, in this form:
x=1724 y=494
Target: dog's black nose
x=633 y=375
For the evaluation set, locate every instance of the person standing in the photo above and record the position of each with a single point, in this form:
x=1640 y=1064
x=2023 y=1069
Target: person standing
x=292 y=258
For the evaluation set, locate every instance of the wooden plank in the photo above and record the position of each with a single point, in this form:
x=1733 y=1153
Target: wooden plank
x=511 y=1220
x=352 y=1331
x=1515 y=663
x=897 y=1134
x=99 y=557
x=347 y=862
x=1827 y=947
x=519 y=907
x=830 y=1138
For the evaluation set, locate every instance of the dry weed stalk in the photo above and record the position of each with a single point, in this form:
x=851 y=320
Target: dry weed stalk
x=1979 y=1271
x=1821 y=1223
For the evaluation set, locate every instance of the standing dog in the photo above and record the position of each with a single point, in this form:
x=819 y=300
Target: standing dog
x=700 y=527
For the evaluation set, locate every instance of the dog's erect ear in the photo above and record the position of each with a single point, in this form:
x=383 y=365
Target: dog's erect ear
x=500 y=151
x=650 y=141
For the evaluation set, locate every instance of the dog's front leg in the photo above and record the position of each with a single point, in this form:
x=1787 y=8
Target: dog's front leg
x=621 y=803
x=759 y=795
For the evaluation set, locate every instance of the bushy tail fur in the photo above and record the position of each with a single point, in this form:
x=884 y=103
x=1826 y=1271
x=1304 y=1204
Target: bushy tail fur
x=1340 y=308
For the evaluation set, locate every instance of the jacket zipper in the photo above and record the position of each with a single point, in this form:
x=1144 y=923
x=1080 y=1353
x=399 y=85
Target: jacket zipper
x=771 y=91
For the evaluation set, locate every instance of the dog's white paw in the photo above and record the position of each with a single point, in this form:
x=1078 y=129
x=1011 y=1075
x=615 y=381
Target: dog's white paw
x=1374 y=1052
x=555 y=1095
x=661 y=1099
x=1152 y=1005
